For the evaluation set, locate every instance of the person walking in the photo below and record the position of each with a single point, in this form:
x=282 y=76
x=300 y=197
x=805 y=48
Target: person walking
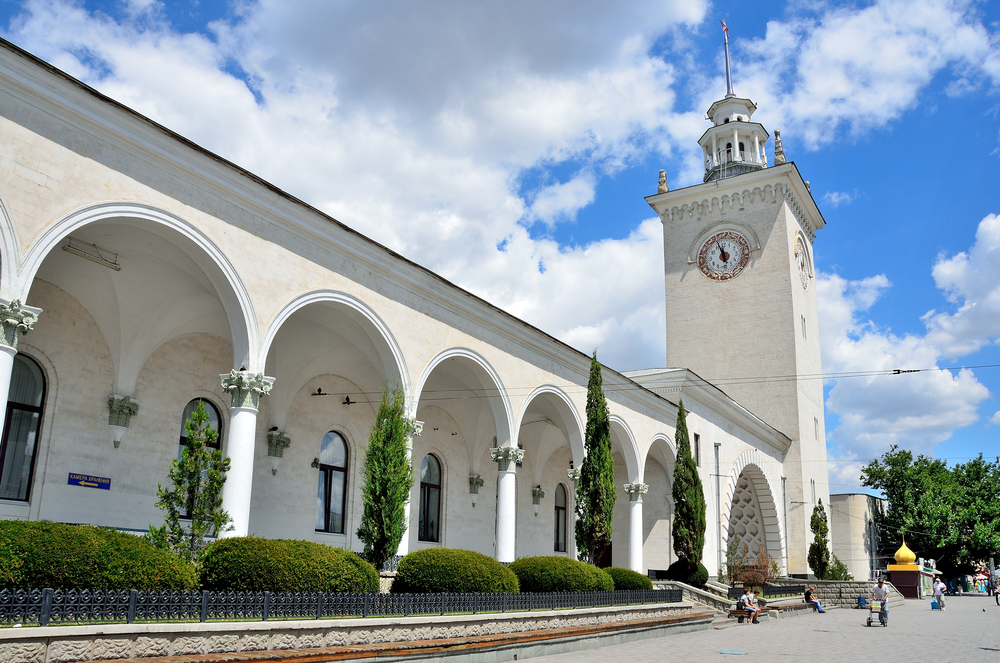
x=810 y=598
x=881 y=593
x=939 y=588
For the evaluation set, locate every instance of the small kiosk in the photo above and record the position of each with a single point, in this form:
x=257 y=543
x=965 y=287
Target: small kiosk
x=913 y=580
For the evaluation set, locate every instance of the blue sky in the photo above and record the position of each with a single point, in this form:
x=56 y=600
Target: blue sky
x=508 y=146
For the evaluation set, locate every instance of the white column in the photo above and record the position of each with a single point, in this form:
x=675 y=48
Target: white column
x=246 y=389
x=635 y=492
x=404 y=543
x=574 y=477
x=715 y=149
x=506 y=459
x=756 y=148
x=736 y=145
x=17 y=320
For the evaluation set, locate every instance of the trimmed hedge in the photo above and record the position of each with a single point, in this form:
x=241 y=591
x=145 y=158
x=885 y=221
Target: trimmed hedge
x=680 y=572
x=434 y=570
x=628 y=579
x=559 y=574
x=57 y=556
x=253 y=564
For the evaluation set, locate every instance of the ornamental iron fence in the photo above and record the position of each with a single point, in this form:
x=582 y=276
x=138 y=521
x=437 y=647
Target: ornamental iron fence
x=48 y=607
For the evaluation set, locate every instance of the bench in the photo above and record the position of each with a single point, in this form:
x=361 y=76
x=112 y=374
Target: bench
x=740 y=615
x=795 y=606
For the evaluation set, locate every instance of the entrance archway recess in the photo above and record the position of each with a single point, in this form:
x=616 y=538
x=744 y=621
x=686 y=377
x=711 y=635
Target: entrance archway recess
x=751 y=513
x=324 y=332
x=183 y=285
x=462 y=384
x=627 y=517
x=550 y=431
x=658 y=503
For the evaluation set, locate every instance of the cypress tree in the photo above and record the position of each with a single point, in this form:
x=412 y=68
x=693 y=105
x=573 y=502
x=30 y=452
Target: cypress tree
x=819 y=549
x=387 y=477
x=689 y=499
x=595 y=493
x=195 y=494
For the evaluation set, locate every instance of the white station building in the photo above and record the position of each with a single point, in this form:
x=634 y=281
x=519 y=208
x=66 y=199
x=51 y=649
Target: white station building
x=141 y=274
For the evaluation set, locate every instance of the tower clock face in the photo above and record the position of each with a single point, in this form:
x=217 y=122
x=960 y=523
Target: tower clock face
x=801 y=263
x=724 y=255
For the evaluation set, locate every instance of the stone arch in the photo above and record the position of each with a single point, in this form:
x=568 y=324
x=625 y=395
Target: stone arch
x=227 y=284
x=661 y=441
x=630 y=450
x=750 y=510
x=388 y=358
x=570 y=423
x=10 y=254
x=488 y=382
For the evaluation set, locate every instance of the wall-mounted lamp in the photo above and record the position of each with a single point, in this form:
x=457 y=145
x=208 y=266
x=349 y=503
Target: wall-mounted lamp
x=93 y=253
x=536 y=496
x=315 y=463
x=454 y=434
x=348 y=401
x=475 y=483
x=319 y=392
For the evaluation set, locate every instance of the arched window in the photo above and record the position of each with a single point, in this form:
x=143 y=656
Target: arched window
x=214 y=423
x=560 y=538
x=430 y=499
x=331 y=496
x=729 y=151
x=21 y=428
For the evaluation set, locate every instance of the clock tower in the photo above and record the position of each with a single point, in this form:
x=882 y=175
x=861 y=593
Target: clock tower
x=741 y=295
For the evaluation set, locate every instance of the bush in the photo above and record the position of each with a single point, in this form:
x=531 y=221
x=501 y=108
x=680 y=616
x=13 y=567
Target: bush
x=628 y=579
x=434 y=570
x=57 y=556
x=560 y=574
x=254 y=564
x=679 y=571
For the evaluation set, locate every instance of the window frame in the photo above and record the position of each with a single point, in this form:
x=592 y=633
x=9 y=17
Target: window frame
x=40 y=411
x=425 y=488
x=564 y=521
x=183 y=439
x=327 y=471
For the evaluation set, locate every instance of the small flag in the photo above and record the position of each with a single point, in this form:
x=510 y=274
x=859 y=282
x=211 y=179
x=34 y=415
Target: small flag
x=725 y=28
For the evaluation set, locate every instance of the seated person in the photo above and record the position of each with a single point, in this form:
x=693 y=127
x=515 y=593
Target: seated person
x=811 y=599
x=746 y=604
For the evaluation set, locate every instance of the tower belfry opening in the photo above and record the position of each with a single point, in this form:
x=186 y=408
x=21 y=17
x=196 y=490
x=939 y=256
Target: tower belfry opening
x=734 y=145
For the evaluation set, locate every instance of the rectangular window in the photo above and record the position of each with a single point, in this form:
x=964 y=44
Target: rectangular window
x=812 y=483
x=816 y=427
x=697 y=449
x=803 y=326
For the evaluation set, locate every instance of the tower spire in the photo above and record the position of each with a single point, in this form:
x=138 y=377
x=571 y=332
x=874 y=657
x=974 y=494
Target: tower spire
x=729 y=72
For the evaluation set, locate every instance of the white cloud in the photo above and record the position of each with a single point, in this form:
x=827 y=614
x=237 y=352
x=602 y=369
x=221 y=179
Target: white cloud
x=838 y=198
x=561 y=201
x=995 y=419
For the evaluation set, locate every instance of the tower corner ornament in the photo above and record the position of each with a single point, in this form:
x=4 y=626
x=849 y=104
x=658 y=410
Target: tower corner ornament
x=246 y=388
x=17 y=321
x=507 y=458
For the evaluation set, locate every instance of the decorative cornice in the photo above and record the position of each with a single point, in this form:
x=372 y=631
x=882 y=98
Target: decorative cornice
x=507 y=458
x=121 y=409
x=636 y=491
x=246 y=388
x=17 y=320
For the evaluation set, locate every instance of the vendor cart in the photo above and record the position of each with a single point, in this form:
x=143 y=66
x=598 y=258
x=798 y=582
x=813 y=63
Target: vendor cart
x=874 y=608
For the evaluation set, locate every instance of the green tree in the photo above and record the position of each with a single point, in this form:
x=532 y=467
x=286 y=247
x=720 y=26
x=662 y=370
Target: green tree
x=819 y=549
x=386 y=479
x=192 y=504
x=951 y=515
x=689 y=499
x=595 y=493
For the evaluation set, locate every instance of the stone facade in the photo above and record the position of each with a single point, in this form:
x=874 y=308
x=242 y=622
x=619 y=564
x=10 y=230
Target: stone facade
x=853 y=532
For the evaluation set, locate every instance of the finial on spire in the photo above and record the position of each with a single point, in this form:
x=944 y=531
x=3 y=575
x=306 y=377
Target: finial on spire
x=729 y=72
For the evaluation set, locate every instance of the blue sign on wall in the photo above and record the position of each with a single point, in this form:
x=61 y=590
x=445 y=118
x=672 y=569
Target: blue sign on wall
x=89 y=481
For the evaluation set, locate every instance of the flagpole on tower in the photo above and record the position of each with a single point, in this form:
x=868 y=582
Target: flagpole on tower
x=729 y=73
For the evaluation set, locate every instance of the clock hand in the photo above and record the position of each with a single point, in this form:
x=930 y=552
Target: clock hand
x=722 y=253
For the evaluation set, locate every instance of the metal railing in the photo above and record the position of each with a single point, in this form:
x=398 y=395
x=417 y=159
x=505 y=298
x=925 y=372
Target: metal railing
x=725 y=157
x=48 y=607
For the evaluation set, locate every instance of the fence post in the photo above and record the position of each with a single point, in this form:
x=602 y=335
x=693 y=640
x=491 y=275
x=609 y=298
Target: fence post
x=503 y=603
x=46 y=612
x=365 y=607
x=204 y=605
x=319 y=605
x=267 y=606
x=531 y=601
x=406 y=605
x=442 y=603
x=475 y=603
x=133 y=600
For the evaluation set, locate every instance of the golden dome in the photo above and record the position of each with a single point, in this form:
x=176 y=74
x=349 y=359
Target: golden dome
x=905 y=556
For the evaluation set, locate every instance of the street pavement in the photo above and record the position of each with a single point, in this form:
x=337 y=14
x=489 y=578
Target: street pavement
x=963 y=633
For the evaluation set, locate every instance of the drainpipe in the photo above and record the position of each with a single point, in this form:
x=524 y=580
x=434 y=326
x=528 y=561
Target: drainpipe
x=784 y=519
x=718 y=505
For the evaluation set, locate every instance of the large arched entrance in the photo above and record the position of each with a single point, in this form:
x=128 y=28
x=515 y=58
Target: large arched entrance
x=752 y=516
x=658 y=505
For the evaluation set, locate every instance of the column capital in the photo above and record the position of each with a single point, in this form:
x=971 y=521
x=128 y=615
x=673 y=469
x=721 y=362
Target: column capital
x=246 y=388
x=277 y=442
x=636 y=491
x=574 y=474
x=537 y=494
x=507 y=458
x=17 y=320
x=475 y=483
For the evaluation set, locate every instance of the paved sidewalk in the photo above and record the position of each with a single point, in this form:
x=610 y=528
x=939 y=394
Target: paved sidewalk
x=961 y=634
